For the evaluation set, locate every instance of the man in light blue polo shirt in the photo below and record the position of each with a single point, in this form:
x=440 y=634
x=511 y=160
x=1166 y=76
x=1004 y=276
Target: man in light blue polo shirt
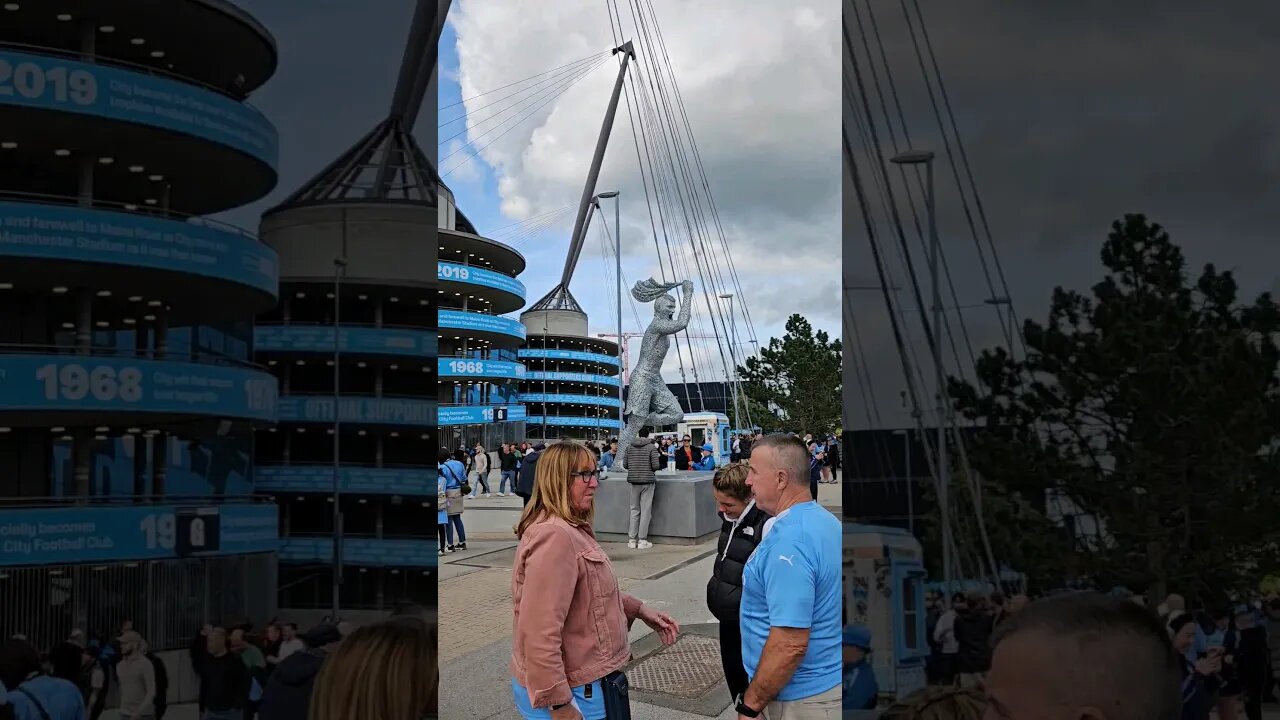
x=791 y=594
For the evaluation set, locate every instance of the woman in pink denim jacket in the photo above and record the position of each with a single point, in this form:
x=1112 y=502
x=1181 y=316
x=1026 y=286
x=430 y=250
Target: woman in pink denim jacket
x=571 y=620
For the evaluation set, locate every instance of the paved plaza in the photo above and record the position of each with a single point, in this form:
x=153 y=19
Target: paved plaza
x=475 y=621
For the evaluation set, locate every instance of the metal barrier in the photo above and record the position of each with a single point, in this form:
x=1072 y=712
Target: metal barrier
x=168 y=601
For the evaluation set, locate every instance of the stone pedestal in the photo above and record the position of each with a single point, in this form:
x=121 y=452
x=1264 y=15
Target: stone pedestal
x=684 y=510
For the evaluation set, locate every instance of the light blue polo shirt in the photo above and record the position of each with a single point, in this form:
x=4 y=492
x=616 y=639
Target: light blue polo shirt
x=792 y=580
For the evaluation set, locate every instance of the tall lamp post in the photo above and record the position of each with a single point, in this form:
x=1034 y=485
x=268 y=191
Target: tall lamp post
x=617 y=267
x=339 y=270
x=733 y=358
x=925 y=157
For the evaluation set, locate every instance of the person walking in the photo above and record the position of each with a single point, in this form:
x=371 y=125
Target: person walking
x=641 y=462
x=442 y=512
x=224 y=680
x=791 y=593
x=137 y=679
x=508 y=459
x=528 y=470
x=454 y=479
x=480 y=472
x=741 y=529
x=569 y=632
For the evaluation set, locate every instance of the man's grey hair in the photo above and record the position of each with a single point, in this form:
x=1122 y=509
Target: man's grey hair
x=792 y=455
x=1123 y=663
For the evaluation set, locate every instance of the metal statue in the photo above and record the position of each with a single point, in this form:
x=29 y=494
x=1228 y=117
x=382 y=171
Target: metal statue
x=649 y=400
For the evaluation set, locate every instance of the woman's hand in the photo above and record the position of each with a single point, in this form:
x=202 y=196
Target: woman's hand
x=662 y=623
x=1208 y=665
x=568 y=712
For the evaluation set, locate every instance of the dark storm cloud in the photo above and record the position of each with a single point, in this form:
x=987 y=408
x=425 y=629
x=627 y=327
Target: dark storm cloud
x=1072 y=114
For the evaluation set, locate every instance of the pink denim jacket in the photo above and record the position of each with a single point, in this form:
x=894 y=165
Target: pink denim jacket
x=571 y=620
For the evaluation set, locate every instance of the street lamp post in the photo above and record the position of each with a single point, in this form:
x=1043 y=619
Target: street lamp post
x=925 y=157
x=339 y=269
x=733 y=358
x=906 y=456
x=1007 y=316
x=617 y=267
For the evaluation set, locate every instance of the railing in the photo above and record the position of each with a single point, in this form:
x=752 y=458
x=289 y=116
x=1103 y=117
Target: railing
x=9 y=503
x=357 y=536
x=126 y=65
x=126 y=208
x=200 y=357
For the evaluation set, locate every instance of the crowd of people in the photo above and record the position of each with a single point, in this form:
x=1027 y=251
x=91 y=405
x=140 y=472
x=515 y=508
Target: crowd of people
x=775 y=586
x=381 y=671
x=1115 y=653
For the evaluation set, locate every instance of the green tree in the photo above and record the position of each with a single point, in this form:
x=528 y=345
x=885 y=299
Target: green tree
x=796 y=378
x=1152 y=406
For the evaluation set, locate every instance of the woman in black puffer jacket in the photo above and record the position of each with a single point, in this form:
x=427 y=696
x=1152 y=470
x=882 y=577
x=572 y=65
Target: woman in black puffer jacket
x=739 y=535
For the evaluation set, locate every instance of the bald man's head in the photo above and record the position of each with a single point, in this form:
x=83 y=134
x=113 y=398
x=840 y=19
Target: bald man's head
x=1083 y=655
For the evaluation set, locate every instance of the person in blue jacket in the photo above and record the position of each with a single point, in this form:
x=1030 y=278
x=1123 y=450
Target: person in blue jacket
x=860 y=689
x=708 y=461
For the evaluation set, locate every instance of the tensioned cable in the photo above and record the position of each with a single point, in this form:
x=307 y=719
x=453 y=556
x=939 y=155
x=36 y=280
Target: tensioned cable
x=944 y=264
x=556 y=91
x=639 y=133
x=463 y=101
x=689 y=210
x=697 y=155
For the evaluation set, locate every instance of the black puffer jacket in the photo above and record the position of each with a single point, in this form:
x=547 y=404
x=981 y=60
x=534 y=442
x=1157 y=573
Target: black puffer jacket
x=528 y=471
x=288 y=692
x=724 y=589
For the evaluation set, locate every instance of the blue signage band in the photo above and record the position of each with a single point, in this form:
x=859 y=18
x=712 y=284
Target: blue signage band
x=604 y=401
x=575 y=421
x=479 y=322
x=48 y=82
x=468 y=275
x=358 y=410
x=79 y=383
x=569 y=355
x=390 y=552
x=472 y=368
x=534 y=375
x=59 y=233
x=480 y=414
x=353 y=339
x=319 y=478
x=70 y=535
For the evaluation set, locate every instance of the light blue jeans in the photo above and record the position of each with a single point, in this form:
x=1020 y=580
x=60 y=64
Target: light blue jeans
x=592 y=709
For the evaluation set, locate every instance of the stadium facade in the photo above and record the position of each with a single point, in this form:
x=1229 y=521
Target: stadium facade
x=128 y=392
x=479 y=369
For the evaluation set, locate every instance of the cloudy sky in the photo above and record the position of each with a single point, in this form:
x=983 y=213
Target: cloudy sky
x=763 y=101
x=1072 y=114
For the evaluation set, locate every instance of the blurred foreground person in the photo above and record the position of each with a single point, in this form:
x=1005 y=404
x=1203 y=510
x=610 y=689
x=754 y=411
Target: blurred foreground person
x=939 y=703
x=386 y=671
x=569 y=640
x=32 y=695
x=1083 y=655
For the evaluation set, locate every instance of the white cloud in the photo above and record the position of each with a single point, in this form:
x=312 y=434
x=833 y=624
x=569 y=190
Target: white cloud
x=762 y=95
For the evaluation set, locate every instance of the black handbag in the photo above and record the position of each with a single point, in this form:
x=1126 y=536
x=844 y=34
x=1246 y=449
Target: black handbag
x=617 y=704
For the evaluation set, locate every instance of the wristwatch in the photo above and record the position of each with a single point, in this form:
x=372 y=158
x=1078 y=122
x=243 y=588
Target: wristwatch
x=744 y=709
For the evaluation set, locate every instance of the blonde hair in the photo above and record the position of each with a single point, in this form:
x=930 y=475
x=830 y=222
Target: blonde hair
x=385 y=671
x=552 y=486
x=939 y=703
x=732 y=481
